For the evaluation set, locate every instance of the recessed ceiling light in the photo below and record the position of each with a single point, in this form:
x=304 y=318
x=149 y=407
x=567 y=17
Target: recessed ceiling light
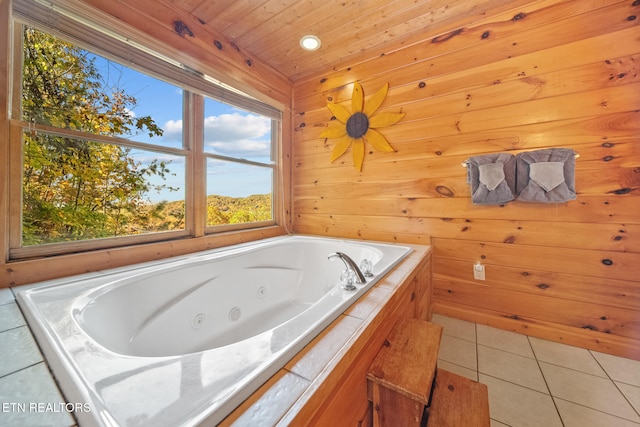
x=310 y=42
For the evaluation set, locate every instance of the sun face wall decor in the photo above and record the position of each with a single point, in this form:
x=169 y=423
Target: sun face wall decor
x=359 y=125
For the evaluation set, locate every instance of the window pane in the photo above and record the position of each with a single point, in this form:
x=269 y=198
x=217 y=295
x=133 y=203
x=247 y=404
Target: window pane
x=78 y=190
x=238 y=193
x=231 y=132
x=70 y=88
x=92 y=184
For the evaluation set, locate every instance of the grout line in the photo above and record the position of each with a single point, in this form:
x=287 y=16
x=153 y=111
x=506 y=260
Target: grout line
x=624 y=396
x=493 y=347
x=23 y=368
x=518 y=385
x=553 y=399
x=609 y=414
x=24 y=325
x=475 y=331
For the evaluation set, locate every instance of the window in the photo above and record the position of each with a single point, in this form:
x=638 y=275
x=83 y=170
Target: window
x=110 y=152
x=239 y=151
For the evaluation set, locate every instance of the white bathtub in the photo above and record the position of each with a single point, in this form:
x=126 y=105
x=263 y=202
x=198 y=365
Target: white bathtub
x=183 y=342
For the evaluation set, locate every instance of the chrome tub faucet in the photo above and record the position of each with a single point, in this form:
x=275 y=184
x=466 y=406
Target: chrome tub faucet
x=350 y=265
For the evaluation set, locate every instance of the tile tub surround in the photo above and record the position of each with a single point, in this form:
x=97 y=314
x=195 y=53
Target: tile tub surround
x=28 y=393
x=320 y=362
x=277 y=402
x=533 y=382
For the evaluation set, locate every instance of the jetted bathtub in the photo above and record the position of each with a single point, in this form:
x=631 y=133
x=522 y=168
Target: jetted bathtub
x=185 y=341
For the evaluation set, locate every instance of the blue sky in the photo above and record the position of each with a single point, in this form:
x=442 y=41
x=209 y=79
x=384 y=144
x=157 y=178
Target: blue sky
x=229 y=131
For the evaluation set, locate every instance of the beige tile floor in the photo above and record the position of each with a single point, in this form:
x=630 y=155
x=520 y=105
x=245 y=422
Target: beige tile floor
x=533 y=382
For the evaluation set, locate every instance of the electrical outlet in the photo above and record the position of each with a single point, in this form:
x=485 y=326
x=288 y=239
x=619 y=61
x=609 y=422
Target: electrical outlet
x=478 y=271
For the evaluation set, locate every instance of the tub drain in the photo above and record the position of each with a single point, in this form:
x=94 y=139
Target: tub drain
x=234 y=314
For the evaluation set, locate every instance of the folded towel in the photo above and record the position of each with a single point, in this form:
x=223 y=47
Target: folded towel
x=546 y=176
x=492 y=178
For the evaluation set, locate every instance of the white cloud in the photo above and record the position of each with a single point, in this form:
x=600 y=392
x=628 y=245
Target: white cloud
x=172 y=130
x=231 y=127
x=235 y=135
x=238 y=135
x=130 y=112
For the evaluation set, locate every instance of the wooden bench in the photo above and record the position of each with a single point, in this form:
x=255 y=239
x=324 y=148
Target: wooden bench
x=406 y=388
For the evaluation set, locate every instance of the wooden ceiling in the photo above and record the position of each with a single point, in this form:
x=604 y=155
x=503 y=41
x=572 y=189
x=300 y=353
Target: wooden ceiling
x=350 y=30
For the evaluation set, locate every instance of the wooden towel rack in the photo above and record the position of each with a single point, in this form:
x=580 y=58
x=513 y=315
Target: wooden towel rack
x=466 y=162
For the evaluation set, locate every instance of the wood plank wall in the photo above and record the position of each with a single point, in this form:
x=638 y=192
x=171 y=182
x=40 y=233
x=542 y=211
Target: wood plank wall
x=544 y=74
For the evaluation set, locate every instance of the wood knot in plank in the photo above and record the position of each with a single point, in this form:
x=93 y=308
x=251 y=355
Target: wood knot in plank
x=519 y=16
x=443 y=38
x=444 y=191
x=181 y=28
x=625 y=190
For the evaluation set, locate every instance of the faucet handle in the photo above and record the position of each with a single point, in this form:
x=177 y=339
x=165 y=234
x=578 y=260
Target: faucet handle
x=346 y=280
x=366 y=266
